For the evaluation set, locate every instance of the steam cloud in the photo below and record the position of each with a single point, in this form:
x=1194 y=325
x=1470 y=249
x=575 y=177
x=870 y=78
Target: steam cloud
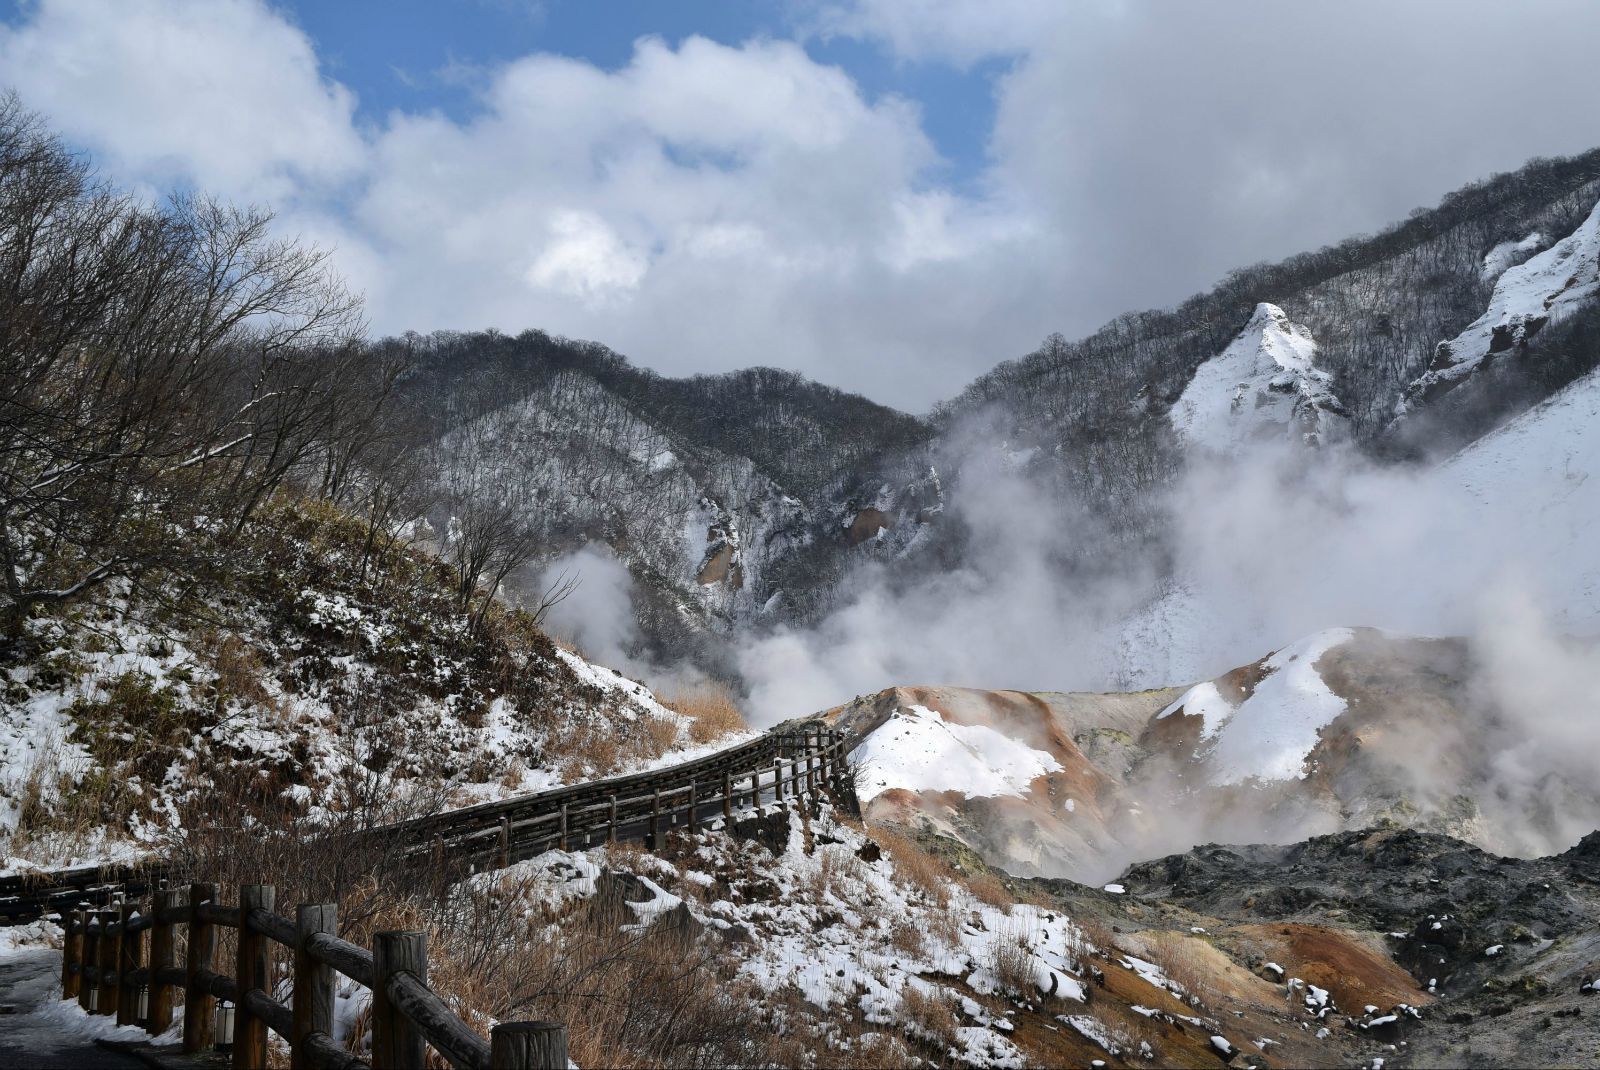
x=1262 y=550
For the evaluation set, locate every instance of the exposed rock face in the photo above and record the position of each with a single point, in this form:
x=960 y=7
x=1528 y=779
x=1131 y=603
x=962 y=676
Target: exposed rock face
x=1500 y=947
x=866 y=525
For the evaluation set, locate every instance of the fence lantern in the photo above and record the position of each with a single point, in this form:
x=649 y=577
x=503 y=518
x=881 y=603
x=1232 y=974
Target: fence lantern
x=224 y=1027
x=144 y=1003
x=94 y=997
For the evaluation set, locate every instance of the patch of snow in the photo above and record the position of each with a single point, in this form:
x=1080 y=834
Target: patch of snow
x=1501 y=257
x=1272 y=732
x=918 y=750
x=1115 y=889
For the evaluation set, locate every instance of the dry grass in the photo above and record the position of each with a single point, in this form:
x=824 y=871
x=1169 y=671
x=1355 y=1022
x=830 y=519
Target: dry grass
x=1011 y=960
x=928 y=1016
x=1182 y=958
x=916 y=867
x=988 y=888
x=712 y=711
x=659 y=735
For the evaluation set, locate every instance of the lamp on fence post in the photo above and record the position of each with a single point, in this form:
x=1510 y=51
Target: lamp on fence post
x=222 y=1029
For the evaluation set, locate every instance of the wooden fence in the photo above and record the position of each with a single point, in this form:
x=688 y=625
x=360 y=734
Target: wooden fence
x=111 y=968
x=793 y=759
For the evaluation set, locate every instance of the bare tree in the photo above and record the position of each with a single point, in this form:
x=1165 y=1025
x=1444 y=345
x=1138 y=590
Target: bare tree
x=162 y=370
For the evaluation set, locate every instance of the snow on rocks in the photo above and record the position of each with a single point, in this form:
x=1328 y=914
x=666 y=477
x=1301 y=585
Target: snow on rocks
x=1507 y=253
x=1264 y=385
x=918 y=750
x=1268 y=735
x=1545 y=289
x=817 y=919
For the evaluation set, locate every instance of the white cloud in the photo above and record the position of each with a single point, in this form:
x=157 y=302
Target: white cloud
x=707 y=206
x=221 y=93
x=585 y=259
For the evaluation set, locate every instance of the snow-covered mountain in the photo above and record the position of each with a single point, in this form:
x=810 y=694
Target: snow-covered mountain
x=1264 y=385
x=1527 y=298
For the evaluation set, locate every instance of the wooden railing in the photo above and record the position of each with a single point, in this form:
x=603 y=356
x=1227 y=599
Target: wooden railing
x=110 y=967
x=795 y=759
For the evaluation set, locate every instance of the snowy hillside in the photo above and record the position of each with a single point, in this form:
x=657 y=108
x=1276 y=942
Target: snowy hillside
x=1264 y=385
x=332 y=675
x=1342 y=729
x=1527 y=298
x=1538 y=480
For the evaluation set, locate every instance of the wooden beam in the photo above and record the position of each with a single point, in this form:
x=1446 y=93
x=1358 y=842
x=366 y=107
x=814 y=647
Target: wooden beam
x=528 y=1046
x=162 y=956
x=106 y=966
x=71 y=953
x=130 y=956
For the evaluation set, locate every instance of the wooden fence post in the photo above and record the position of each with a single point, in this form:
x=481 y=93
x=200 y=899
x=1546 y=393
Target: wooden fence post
x=106 y=977
x=611 y=837
x=563 y=825
x=777 y=778
x=313 y=981
x=528 y=1046
x=71 y=954
x=505 y=842
x=253 y=969
x=396 y=1043
x=161 y=957
x=89 y=960
x=199 y=1006
x=130 y=956
x=727 y=797
x=655 y=820
x=694 y=804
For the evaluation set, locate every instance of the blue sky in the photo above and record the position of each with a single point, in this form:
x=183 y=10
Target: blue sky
x=890 y=196
x=422 y=54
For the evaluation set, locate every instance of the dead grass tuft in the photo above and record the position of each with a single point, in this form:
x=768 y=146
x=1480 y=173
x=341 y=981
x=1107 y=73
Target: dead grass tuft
x=916 y=867
x=712 y=710
x=1011 y=960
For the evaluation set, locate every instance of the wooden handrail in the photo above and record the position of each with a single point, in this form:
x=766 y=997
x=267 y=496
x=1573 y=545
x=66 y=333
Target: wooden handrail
x=589 y=808
x=106 y=960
